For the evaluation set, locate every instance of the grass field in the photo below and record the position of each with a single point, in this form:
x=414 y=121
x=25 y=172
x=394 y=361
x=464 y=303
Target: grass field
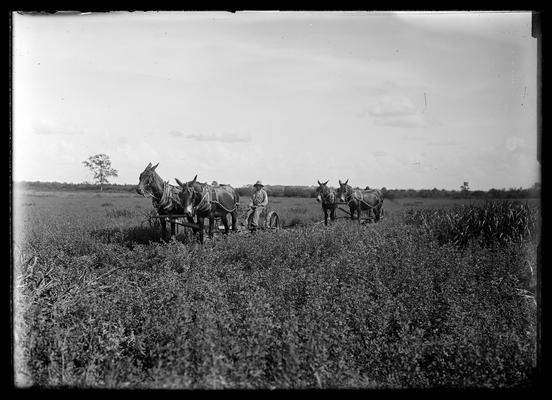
x=100 y=301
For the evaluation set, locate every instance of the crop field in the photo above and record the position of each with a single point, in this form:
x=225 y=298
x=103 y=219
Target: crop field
x=440 y=293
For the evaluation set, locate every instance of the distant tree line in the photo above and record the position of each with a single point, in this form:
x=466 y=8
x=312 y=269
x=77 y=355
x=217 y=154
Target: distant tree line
x=512 y=193
x=54 y=186
x=281 y=191
x=310 y=191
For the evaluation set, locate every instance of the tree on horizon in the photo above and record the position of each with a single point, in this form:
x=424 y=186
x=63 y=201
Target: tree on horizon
x=100 y=165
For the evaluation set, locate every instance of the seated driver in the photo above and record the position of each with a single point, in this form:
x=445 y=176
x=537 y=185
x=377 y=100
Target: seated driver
x=259 y=200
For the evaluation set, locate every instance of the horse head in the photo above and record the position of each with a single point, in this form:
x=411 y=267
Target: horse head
x=146 y=180
x=342 y=191
x=321 y=190
x=188 y=196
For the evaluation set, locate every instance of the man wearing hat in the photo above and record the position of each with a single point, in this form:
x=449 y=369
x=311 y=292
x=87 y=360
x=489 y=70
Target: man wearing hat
x=259 y=200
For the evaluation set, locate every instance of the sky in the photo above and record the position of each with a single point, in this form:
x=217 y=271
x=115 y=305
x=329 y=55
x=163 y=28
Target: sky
x=396 y=100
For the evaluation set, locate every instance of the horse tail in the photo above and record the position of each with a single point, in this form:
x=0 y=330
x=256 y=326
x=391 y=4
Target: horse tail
x=380 y=195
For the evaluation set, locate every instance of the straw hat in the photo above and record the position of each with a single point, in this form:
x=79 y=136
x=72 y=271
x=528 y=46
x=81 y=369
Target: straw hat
x=258 y=183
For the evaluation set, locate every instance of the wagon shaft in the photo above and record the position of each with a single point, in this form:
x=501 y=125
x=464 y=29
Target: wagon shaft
x=345 y=211
x=173 y=219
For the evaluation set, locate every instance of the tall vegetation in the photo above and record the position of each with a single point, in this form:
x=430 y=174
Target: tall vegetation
x=345 y=306
x=492 y=223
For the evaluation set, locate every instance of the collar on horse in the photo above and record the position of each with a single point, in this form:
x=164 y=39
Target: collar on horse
x=329 y=197
x=351 y=194
x=167 y=200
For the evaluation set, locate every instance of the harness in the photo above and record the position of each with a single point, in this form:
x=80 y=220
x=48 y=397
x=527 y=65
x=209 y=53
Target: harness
x=328 y=197
x=168 y=199
x=357 y=195
x=209 y=197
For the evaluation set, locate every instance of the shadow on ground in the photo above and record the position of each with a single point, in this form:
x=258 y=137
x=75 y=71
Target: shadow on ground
x=136 y=235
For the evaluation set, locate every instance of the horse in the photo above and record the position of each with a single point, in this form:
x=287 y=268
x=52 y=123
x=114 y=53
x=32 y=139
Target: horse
x=359 y=200
x=207 y=201
x=164 y=196
x=328 y=197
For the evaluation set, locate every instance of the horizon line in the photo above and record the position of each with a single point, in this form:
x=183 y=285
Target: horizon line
x=279 y=184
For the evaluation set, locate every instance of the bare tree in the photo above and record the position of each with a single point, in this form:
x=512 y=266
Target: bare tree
x=100 y=165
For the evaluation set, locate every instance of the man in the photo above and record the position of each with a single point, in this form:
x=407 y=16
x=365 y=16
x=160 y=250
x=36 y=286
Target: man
x=259 y=200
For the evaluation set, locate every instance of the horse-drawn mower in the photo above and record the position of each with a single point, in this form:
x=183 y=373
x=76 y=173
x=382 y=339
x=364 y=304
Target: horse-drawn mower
x=368 y=219
x=269 y=220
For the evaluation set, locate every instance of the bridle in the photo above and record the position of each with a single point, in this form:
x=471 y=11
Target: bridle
x=348 y=191
x=146 y=191
x=166 y=201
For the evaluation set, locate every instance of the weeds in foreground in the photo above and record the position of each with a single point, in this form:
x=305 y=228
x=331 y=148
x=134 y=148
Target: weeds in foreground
x=383 y=305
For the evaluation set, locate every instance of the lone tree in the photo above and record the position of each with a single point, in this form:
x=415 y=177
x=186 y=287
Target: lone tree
x=100 y=165
x=465 y=187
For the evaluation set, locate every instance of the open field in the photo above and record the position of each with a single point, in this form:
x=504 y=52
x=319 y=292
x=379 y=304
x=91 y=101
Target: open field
x=101 y=302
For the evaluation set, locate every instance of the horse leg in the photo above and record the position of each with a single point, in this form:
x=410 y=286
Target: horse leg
x=234 y=215
x=225 y=223
x=352 y=211
x=211 y=224
x=201 y=223
x=173 y=229
x=163 y=227
x=332 y=214
x=192 y=221
x=377 y=213
x=325 y=216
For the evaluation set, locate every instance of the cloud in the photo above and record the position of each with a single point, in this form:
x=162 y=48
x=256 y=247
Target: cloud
x=379 y=153
x=515 y=144
x=45 y=127
x=394 y=108
x=225 y=138
x=392 y=105
x=417 y=120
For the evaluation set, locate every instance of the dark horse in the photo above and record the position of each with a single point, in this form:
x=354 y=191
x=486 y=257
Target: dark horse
x=164 y=197
x=329 y=200
x=208 y=201
x=361 y=200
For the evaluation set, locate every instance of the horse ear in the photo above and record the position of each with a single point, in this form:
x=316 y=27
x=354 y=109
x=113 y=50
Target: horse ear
x=346 y=181
x=325 y=183
x=319 y=182
x=195 y=177
x=340 y=182
x=155 y=166
x=180 y=183
x=149 y=166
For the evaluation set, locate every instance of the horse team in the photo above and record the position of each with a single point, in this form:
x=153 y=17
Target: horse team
x=358 y=200
x=201 y=200
x=192 y=199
